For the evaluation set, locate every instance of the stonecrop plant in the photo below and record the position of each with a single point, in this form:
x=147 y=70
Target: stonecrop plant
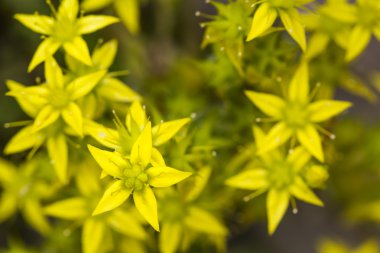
x=165 y=162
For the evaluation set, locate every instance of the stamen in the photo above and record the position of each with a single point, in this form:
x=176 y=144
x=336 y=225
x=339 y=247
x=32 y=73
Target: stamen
x=314 y=91
x=204 y=15
x=258 y=120
x=294 y=205
x=52 y=8
x=253 y=195
x=326 y=132
x=17 y=123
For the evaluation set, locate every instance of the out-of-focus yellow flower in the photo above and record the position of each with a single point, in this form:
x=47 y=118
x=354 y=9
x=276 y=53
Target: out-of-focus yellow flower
x=331 y=246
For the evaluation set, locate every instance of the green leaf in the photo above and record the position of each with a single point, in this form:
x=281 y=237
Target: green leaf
x=113 y=197
x=46 y=49
x=277 y=203
x=301 y=191
x=93 y=23
x=263 y=19
x=165 y=176
x=269 y=104
x=309 y=138
x=142 y=148
x=70 y=209
x=165 y=131
x=78 y=49
x=252 y=179
x=201 y=221
x=323 y=110
x=58 y=153
x=357 y=42
x=72 y=115
x=292 y=22
x=299 y=85
x=146 y=204
x=170 y=237
x=111 y=162
x=93 y=235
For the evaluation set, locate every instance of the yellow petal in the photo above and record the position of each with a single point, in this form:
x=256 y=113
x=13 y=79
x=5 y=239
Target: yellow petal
x=301 y=191
x=92 y=23
x=57 y=149
x=278 y=135
x=69 y=9
x=113 y=197
x=146 y=204
x=165 y=176
x=70 y=209
x=202 y=221
x=125 y=223
x=105 y=136
x=142 y=148
x=23 y=140
x=78 y=49
x=129 y=13
x=196 y=184
x=46 y=49
x=83 y=85
x=252 y=179
x=53 y=73
x=8 y=205
x=37 y=23
x=299 y=86
x=72 y=115
x=112 y=163
x=165 y=131
x=137 y=114
x=104 y=56
x=93 y=234
x=263 y=19
x=298 y=159
x=325 y=109
x=309 y=138
x=157 y=159
x=269 y=104
x=47 y=116
x=8 y=173
x=94 y=5
x=33 y=214
x=316 y=45
x=291 y=20
x=277 y=203
x=116 y=91
x=357 y=42
x=170 y=237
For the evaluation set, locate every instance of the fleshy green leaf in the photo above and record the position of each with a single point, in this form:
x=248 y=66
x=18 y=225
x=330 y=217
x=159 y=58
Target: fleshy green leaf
x=72 y=115
x=113 y=197
x=269 y=104
x=291 y=20
x=37 y=23
x=111 y=162
x=146 y=204
x=81 y=86
x=309 y=138
x=142 y=148
x=165 y=176
x=325 y=109
x=125 y=223
x=78 y=49
x=71 y=209
x=253 y=179
x=93 y=234
x=57 y=149
x=263 y=19
x=299 y=86
x=165 y=131
x=23 y=140
x=170 y=237
x=46 y=49
x=202 y=221
x=301 y=191
x=358 y=40
x=277 y=203
x=129 y=13
x=92 y=23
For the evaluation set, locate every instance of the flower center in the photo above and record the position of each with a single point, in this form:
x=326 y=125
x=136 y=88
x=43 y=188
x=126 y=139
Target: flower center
x=295 y=115
x=64 y=29
x=282 y=3
x=281 y=175
x=59 y=98
x=135 y=177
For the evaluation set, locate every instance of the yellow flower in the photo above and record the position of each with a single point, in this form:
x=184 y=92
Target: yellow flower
x=278 y=175
x=297 y=116
x=63 y=30
x=136 y=174
x=96 y=229
x=268 y=11
x=330 y=246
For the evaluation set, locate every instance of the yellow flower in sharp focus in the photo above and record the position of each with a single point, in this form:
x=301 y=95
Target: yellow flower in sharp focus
x=297 y=116
x=135 y=174
x=278 y=175
x=267 y=13
x=63 y=30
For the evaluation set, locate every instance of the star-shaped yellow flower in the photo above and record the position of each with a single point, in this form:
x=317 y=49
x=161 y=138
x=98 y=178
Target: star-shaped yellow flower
x=63 y=30
x=297 y=116
x=136 y=174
